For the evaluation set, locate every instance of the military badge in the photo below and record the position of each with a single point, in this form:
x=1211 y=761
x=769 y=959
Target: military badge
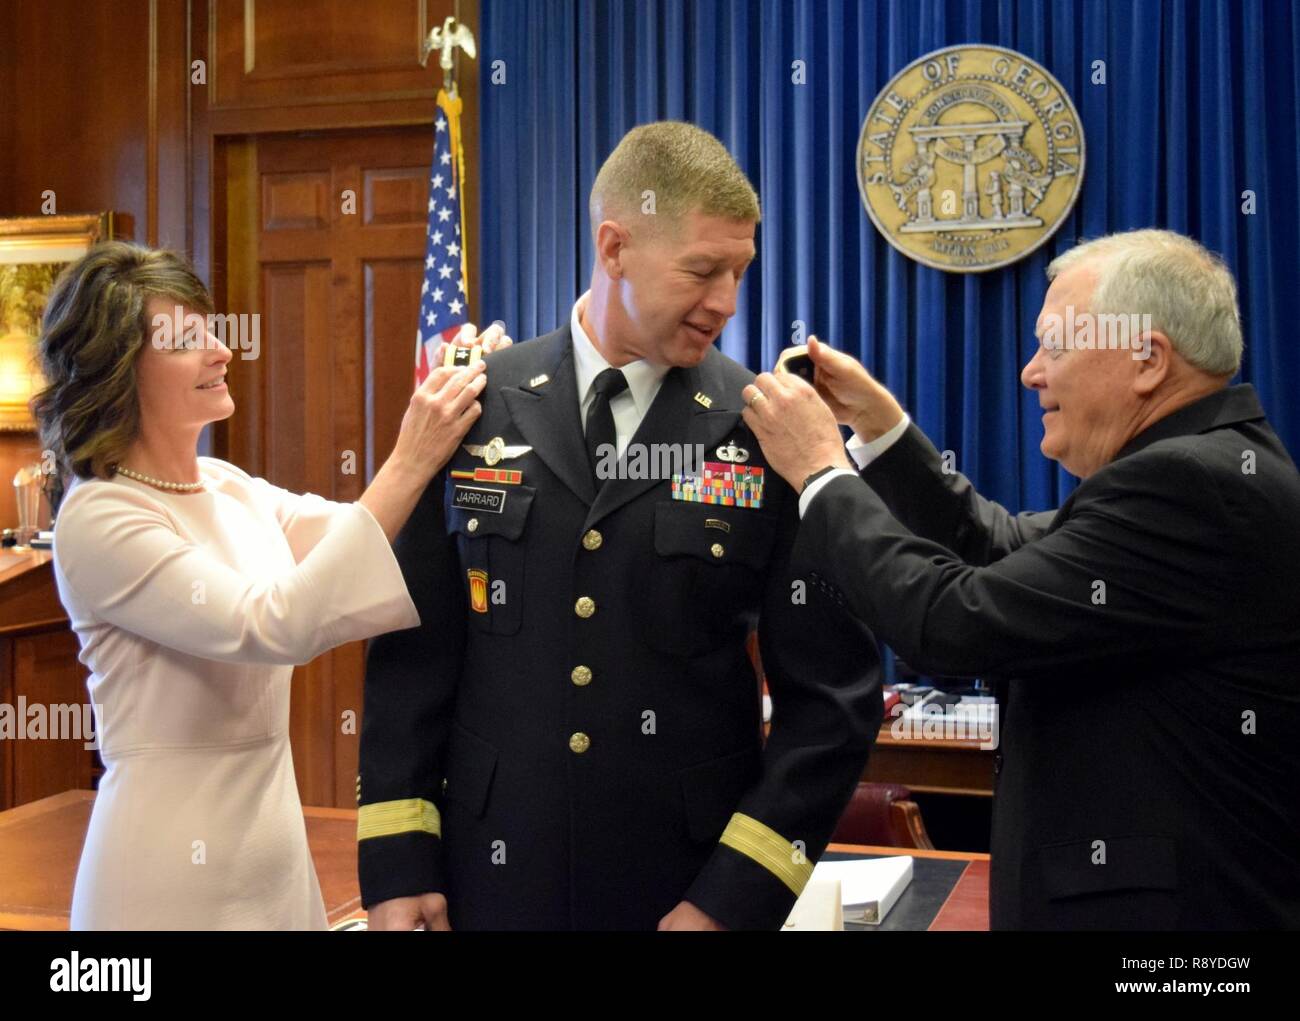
x=504 y=476
x=478 y=590
x=724 y=484
x=495 y=450
x=730 y=452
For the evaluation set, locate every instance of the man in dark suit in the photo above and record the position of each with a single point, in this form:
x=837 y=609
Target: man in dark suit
x=572 y=738
x=1145 y=638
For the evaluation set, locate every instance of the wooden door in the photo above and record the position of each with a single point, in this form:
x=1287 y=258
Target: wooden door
x=323 y=236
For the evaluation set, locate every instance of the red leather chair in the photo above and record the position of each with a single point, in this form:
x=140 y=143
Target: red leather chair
x=882 y=814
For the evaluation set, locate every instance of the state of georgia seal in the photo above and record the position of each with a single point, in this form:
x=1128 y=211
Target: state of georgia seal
x=970 y=158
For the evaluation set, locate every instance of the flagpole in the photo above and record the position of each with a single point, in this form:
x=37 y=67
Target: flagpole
x=446 y=39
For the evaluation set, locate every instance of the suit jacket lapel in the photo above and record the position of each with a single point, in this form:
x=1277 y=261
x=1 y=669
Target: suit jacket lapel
x=547 y=417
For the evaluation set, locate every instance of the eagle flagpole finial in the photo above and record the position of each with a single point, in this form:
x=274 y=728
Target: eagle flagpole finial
x=445 y=39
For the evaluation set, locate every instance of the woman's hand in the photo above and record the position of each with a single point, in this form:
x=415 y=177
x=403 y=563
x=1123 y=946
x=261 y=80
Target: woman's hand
x=441 y=411
x=492 y=339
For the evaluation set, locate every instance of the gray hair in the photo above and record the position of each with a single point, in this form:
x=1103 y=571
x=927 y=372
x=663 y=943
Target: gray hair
x=1187 y=290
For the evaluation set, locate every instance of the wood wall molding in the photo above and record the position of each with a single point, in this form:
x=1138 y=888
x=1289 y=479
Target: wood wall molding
x=277 y=53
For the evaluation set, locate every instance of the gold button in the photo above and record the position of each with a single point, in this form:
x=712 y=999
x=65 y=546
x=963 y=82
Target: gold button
x=581 y=676
x=716 y=549
x=471 y=525
x=592 y=540
x=585 y=607
x=579 y=743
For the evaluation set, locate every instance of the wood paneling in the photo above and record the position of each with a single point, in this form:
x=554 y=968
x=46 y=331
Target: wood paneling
x=96 y=113
x=300 y=52
x=294 y=201
x=318 y=66
x=39 y=673
x=8 y=109
x=98 y=116
x=46 y=672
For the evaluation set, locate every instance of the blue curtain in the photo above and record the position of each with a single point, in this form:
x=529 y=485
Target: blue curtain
x=1201 y=103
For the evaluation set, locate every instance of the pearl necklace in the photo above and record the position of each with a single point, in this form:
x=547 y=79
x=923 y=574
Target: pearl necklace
x=179 y=487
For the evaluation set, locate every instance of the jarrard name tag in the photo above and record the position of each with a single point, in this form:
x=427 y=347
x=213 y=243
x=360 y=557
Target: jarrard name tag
x=476 y=498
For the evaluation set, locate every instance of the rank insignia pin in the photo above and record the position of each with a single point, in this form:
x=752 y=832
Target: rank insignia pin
x=458 y=355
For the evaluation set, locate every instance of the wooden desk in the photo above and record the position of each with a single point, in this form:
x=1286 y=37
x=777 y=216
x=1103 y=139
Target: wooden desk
x=40 y=844
x=38 y=667
x=932 y=766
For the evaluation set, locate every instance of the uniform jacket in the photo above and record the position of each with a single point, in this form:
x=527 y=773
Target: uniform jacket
x=572 y=738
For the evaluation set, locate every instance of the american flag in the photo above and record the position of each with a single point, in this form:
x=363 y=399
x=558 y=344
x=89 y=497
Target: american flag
x=444 y=298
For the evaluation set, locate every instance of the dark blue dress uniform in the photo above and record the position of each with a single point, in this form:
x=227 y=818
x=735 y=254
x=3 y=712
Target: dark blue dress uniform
x=572 y=736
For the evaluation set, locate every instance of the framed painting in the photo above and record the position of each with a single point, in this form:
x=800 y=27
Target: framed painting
x=33 y=251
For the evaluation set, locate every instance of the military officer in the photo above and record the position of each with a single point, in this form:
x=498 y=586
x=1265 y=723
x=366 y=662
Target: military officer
x=571 y=738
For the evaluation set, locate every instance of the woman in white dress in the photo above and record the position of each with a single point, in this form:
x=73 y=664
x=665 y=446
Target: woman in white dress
x=194 y=589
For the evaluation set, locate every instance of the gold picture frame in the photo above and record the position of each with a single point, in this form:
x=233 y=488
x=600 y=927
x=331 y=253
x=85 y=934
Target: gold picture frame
x=33 y=251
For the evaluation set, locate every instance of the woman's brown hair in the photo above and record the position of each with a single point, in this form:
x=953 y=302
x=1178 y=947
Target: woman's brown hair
x=93 y=331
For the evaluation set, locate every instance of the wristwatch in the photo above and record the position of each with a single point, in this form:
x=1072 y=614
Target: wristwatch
x=816 y=475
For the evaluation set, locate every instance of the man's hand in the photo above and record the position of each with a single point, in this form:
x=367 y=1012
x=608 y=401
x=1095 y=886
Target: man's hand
x=852 y=393
x=794 y=426
x=686 y=916
x=402 y=914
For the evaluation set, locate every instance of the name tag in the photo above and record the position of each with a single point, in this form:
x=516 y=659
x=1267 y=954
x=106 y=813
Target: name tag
x=475 y=498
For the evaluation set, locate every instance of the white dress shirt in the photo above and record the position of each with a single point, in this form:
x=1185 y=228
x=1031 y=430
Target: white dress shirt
x=643 y=381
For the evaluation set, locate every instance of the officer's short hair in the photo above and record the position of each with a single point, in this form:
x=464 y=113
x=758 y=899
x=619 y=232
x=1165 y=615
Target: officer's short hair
x=660 y=172
x=1187 y=290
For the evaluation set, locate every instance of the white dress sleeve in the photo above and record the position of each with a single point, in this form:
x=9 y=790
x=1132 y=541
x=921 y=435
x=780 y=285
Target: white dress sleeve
x=304 y=517
x=123 y=558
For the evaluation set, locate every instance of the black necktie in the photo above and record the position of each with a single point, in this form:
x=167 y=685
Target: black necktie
x=600 y=420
